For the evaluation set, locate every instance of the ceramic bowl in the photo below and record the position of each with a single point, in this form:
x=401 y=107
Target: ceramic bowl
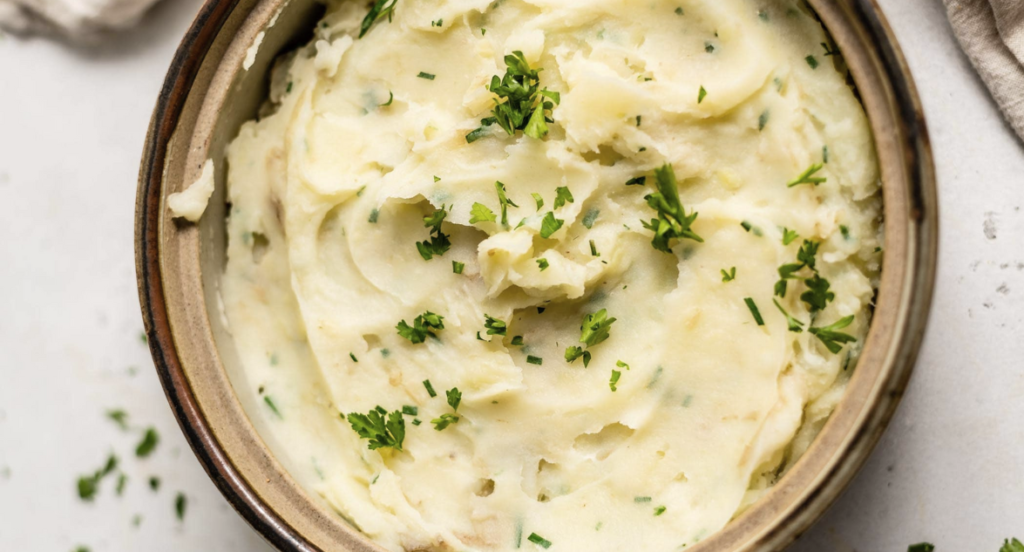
x=208 y=94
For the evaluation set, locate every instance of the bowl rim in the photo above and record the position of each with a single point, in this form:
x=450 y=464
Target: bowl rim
x=912 y=140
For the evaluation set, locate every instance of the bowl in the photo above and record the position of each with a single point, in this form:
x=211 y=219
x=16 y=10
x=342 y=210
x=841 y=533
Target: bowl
x=211 y=89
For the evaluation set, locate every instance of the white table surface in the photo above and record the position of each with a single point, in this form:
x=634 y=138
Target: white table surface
x=949 y=470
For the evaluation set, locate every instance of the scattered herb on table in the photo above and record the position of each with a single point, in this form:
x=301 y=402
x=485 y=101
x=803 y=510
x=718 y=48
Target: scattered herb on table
x=119 y=417
x=149 y=442
x=180 y=503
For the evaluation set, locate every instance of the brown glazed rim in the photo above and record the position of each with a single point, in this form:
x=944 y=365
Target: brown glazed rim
x=765 y=530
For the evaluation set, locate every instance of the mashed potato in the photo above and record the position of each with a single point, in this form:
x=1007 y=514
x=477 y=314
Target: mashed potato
x=609 y=326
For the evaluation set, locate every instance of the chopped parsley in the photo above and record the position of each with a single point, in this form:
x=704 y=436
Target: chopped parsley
x=374 y=214
x=454 y=399
x=562 y=196
x=180 y=503
x=923 y=547
x=353 y=357
x=795 y=325
x=641 y=499
x=494 y=326
x=829 y=51
x=550 y=225
x=88 y=485
x=788 y=236
x=505 y=203
x=832 y=337
x=480 y=213
x=438 y=23
x=422 y=327
x=439 y=243
x=763 y=119
x=709 y=47
x=806 y=258
x=754 y=311
x=590 y=217
x=538 y=200
x=638 y=119
x=149 y=441
x=539 y=541
x=595 y=329
x=427 y=76
x=672 y=221
x=122 y=480
x=613 y=383
x=430 y=388
x=812 y=61
x=701 y=95
x=817 y=295
x=119 y=417
x=749 y=227
x=660 y=510
x=530 y=359
x=272 y=406
x=520 y=104
x=543 y=264
x=458 y=267
x=730 y=275
x=807 y=177
x=824 y=154
x=379 y=10
x=517 y=341
x=154 y=483
x=383 y=430
x=1012 y=545
x=845 y=231
x=638 y=181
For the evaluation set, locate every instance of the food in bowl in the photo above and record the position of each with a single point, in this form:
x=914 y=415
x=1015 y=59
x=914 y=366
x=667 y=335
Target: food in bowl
x=578 y=275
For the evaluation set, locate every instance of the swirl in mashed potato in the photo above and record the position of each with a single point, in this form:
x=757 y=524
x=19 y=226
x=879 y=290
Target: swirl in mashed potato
x=666 y=422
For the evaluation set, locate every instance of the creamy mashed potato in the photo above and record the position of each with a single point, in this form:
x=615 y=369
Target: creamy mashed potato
x=668 y=421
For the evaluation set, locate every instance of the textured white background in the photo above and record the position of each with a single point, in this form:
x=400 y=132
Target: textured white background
x=949 y=470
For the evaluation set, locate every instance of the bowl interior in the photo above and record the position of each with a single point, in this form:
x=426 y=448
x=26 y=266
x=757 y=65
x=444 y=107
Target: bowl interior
x=209 y=94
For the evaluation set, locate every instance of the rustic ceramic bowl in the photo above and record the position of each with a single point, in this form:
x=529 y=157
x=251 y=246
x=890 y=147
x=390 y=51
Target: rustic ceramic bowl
x=207 y=96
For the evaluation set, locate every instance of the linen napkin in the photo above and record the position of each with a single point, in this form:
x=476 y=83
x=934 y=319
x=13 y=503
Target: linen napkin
x=991 y=32
x=76 y=19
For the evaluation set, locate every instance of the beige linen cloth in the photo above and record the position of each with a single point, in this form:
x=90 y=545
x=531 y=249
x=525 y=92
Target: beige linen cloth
x=991 y=32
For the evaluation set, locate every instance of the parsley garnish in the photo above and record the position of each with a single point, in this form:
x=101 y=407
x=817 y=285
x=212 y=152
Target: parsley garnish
x=539 y=540
x=438 y=23
x=730 y=275
x=550 y=225
x=795 y=325
x=754 y=311
x=543 y=264
x=831 y=337
x=148 y=443
x=672 y=221
x=595 y=329
x=613 y=383
x=590 y=217
x=638 y=181
x=812 y=61
x=520 y=103
x=88 y=485
x=380 y=9
x=119 y=417
x=763 y=119
x=380 y=428
x=660 y=510
x=824 y=154
x=430 y=388
x=480 y=213
x=180 y=503
x=701 y=95
x=641 y=499
x=517 y=341
x=538 y=200
x=374 y=214
x=454 y=399
x=807 y=177
x=530 y=359
x=272 y=406
x=562 y=195
x=1013 y=545
x=709 y=47
x=439 y=243
x=391 y=99
x=788 y=236
x=423 y=326
x=679 y=11
x=458 y=267
x=505 y=203
x=923 y=547
x=817 y=295
x=154 y=483
x=428 y=76
x=806 y=256
x=494 y=326
x=353 y=357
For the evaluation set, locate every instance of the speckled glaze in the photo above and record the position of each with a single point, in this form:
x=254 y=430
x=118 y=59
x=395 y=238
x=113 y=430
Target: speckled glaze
x=206 y=97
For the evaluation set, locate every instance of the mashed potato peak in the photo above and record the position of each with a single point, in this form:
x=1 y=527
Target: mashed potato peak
x=685 y=409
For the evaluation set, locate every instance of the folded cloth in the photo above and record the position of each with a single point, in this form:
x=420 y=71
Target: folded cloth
x=991 y=32
x=76 y=19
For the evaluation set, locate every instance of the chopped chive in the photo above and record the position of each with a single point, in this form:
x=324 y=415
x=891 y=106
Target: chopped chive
x=824 y=154
x=517 y=341
x=590 y=217
x=642 y=499
x=430 y=388
x=762 y=120
x=539 y=540
x=638 y=181
x=754 y=311
x=417 y=421
x=660 y=510
x=273 y=407
x=613 y=383
x=530 y=359
x=538 y=200
x=427 y=76
x=593 y=250
x=410 y=410
x=373 y=216
x=812 y=61
x=458 y=267
x=353 y=357
x=730 y=275
x=543 y=264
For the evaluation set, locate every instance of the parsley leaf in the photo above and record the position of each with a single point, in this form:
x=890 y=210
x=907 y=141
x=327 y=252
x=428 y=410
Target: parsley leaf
x=148 y=443
x=788 y=236
x=494 y=326
x=423 y=326
x=595 y=329
x=505 y=203
x=119 y=417
x=832 y=337
x=701 y=95
x=550 y=225
x=795 y=325
x=454 y=399
x=543 y=264
x=1013 y=545
x=807 y=177
x=672 y=221
x=562 y=195
x=730 y=275
x=637 y=181
x=380 y=428
x=379 y=9
x=923 y=547
x=817 y=295
x=439 y=243
x=613 y=383
x=520 y=103
x=538 y=199
x=480 y=213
